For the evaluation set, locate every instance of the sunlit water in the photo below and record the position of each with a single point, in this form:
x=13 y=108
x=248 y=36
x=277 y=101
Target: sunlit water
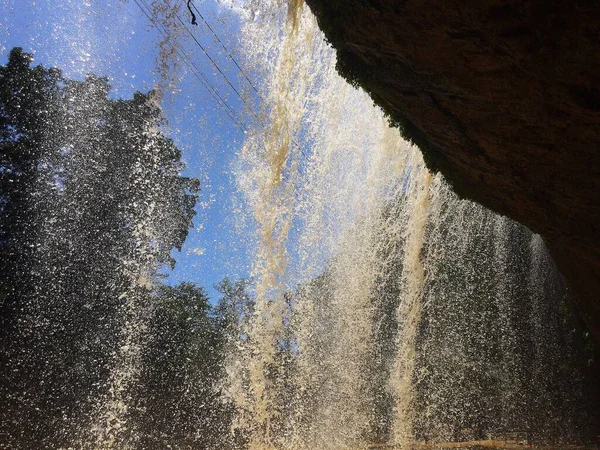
x=386 y=309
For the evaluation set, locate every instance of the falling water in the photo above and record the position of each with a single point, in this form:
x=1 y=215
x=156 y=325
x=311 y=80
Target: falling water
x=111 y=413
x=387 y=310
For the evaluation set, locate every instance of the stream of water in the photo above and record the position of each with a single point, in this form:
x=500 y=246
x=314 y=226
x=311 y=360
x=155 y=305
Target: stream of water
x=384 y=309
x=388 y=310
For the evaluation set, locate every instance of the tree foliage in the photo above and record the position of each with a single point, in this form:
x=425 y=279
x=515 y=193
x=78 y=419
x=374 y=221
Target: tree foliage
x=179 y=402
x=92 y=203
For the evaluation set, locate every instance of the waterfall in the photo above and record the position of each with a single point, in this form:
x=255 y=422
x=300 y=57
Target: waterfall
x=381 y=311
x=387 y=309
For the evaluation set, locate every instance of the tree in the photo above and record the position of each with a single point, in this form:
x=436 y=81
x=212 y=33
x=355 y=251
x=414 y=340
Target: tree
x=178 y=397
x=93 y=202
x=25 y=106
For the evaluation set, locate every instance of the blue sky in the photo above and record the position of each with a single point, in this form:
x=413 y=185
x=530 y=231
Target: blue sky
x=115 y=39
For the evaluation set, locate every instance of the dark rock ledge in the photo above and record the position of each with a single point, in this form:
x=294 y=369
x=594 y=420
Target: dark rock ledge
x=503 y=97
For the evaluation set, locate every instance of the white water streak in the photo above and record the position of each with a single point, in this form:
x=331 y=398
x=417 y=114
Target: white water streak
x=345 y=212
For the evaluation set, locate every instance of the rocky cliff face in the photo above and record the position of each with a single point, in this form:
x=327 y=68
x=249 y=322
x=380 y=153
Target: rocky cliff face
x=503 y=97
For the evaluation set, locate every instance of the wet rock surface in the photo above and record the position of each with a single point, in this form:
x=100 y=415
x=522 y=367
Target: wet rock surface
x=502 y=97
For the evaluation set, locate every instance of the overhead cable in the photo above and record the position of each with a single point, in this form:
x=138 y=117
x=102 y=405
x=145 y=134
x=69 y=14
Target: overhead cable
x=214 y=63
x=196 y=71
x=225 y=49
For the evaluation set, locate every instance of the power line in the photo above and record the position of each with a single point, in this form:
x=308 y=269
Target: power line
x=195 y=71
x=226 y=50
x=214 y=63
x=294 y=142
x=204 y=80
